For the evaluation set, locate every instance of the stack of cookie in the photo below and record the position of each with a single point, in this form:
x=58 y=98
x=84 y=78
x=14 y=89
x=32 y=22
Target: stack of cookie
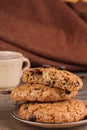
x=48 y=96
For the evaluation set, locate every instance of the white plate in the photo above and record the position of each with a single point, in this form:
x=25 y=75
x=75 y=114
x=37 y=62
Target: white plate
x=14 y=113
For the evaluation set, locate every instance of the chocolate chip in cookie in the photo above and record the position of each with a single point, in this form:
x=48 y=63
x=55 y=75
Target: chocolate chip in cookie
x=36 y=71
x=32 y=118
x=67 y=91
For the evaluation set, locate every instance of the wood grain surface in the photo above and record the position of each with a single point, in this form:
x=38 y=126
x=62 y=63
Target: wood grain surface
x=7 y=122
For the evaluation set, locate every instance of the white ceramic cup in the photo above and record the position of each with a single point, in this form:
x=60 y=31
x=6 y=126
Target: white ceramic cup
x=12 y=64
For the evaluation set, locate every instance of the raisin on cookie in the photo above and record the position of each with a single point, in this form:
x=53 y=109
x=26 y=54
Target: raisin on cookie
x=40 y=93
x=58 y=112
x=53 y=77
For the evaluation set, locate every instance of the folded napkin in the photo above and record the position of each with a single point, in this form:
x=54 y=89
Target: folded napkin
x=49 y=32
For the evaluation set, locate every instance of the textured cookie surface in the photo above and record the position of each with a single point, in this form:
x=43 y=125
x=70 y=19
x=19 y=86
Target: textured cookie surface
x=58 y=112
x=41 y=93
x=53 y=77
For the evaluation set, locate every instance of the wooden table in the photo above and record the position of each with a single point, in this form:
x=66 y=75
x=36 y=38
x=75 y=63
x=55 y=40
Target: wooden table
x=7 y=122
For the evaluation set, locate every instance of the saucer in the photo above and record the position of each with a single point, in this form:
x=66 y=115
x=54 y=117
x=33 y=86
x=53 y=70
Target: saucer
x=14 y=113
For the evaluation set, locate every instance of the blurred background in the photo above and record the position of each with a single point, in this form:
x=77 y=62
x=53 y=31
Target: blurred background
x=48 y=32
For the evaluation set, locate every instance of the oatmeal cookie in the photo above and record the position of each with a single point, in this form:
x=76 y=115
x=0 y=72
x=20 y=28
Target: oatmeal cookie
x=58 y=112
x=53 y=77
x=40 y=93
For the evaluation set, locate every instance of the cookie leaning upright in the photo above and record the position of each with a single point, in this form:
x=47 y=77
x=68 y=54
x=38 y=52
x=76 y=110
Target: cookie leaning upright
x=53 y=77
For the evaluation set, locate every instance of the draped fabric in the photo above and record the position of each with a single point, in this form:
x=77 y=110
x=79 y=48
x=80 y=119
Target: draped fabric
x=46 y=31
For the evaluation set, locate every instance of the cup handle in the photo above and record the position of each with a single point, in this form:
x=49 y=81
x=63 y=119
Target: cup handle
x=26 y=64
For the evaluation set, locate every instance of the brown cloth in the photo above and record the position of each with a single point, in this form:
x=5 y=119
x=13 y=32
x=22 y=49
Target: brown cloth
x=46 y=31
